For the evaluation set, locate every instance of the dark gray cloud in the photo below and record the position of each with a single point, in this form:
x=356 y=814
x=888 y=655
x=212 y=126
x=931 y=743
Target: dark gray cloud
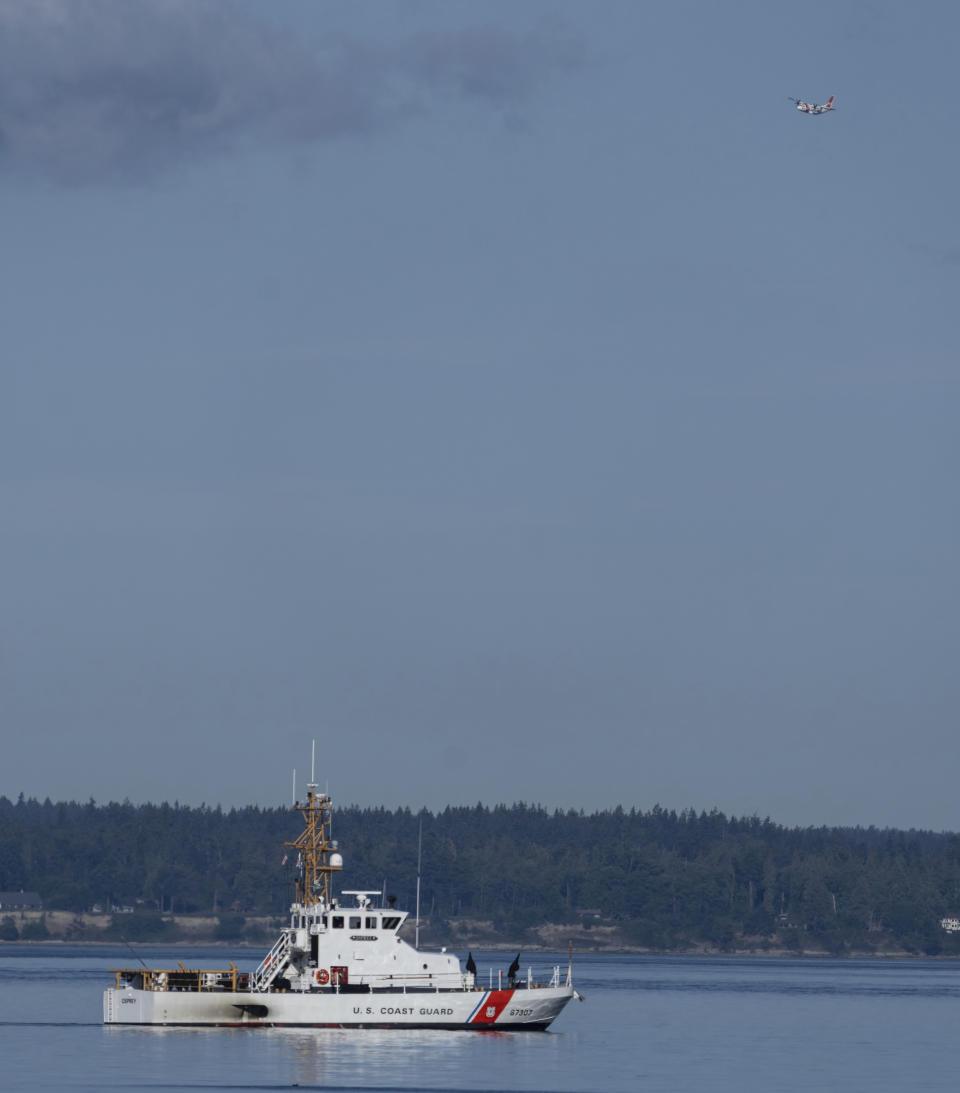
x=93 y=89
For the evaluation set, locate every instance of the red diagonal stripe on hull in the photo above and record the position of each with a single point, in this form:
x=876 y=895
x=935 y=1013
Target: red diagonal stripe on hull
x=494 y=1004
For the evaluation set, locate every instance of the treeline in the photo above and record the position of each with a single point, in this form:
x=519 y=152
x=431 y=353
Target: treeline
x=666 y=879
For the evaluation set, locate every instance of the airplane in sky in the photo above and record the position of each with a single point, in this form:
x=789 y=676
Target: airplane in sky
x=812 y=107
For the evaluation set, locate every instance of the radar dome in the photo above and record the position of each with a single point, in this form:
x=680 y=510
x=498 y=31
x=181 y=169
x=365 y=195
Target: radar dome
x=336 y=861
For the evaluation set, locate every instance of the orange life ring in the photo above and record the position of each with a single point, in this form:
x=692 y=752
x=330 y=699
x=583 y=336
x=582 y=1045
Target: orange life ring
x=323 y=976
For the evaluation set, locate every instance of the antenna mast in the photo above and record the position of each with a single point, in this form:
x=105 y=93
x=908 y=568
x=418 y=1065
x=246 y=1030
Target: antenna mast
x=416 y=942
x=316 y=852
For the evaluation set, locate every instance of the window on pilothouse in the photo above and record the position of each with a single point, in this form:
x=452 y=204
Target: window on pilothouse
x=391 y=922
x=336 y=922
x=355 y=921
x=371 y=923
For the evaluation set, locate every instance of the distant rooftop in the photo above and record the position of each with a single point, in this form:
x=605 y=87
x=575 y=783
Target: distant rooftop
x=20 y=901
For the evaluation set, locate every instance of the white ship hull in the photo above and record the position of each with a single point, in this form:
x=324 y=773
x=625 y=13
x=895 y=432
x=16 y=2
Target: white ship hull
x=521 y=1009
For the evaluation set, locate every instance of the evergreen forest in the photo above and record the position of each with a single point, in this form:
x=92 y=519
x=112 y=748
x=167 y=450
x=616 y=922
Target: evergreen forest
x=666 y=880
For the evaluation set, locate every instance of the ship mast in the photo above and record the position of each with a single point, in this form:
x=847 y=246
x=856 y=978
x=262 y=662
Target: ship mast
x=317 y=853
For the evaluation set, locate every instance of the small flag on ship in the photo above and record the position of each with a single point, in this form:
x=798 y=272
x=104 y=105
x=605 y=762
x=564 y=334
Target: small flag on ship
x=514 y=968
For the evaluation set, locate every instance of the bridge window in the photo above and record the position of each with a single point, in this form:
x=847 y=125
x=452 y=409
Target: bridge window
x=391 y=922
x=336 y=922
x=355 y=921
x=370 y=922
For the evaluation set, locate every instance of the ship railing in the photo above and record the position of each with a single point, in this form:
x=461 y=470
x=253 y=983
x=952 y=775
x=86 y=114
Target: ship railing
x=270 y=966
x=440 y=980
x=182 y=978
x=528 y=983
x=500 y=982
x=457 y=981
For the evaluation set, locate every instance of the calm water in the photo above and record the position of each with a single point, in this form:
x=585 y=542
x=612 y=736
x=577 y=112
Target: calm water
x=678 y=1024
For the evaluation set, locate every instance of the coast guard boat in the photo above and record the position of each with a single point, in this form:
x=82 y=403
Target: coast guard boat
x=337 y=966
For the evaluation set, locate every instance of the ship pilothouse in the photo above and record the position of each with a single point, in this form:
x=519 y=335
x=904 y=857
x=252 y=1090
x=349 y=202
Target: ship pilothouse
x=353 y=949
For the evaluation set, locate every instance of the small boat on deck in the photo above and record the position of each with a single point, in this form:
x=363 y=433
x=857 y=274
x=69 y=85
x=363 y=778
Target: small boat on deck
x=337 y=966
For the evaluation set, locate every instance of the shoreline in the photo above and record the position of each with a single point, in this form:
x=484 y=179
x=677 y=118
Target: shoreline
x=773 y=954
x=257 y=932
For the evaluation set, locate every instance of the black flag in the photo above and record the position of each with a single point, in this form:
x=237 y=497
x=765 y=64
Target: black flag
x=514 y=968
x=471 y=967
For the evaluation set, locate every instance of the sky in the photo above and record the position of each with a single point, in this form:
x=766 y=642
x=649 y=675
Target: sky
x=522 y=400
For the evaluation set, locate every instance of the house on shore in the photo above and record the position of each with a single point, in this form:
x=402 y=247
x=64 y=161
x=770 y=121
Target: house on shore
x=20 y=901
